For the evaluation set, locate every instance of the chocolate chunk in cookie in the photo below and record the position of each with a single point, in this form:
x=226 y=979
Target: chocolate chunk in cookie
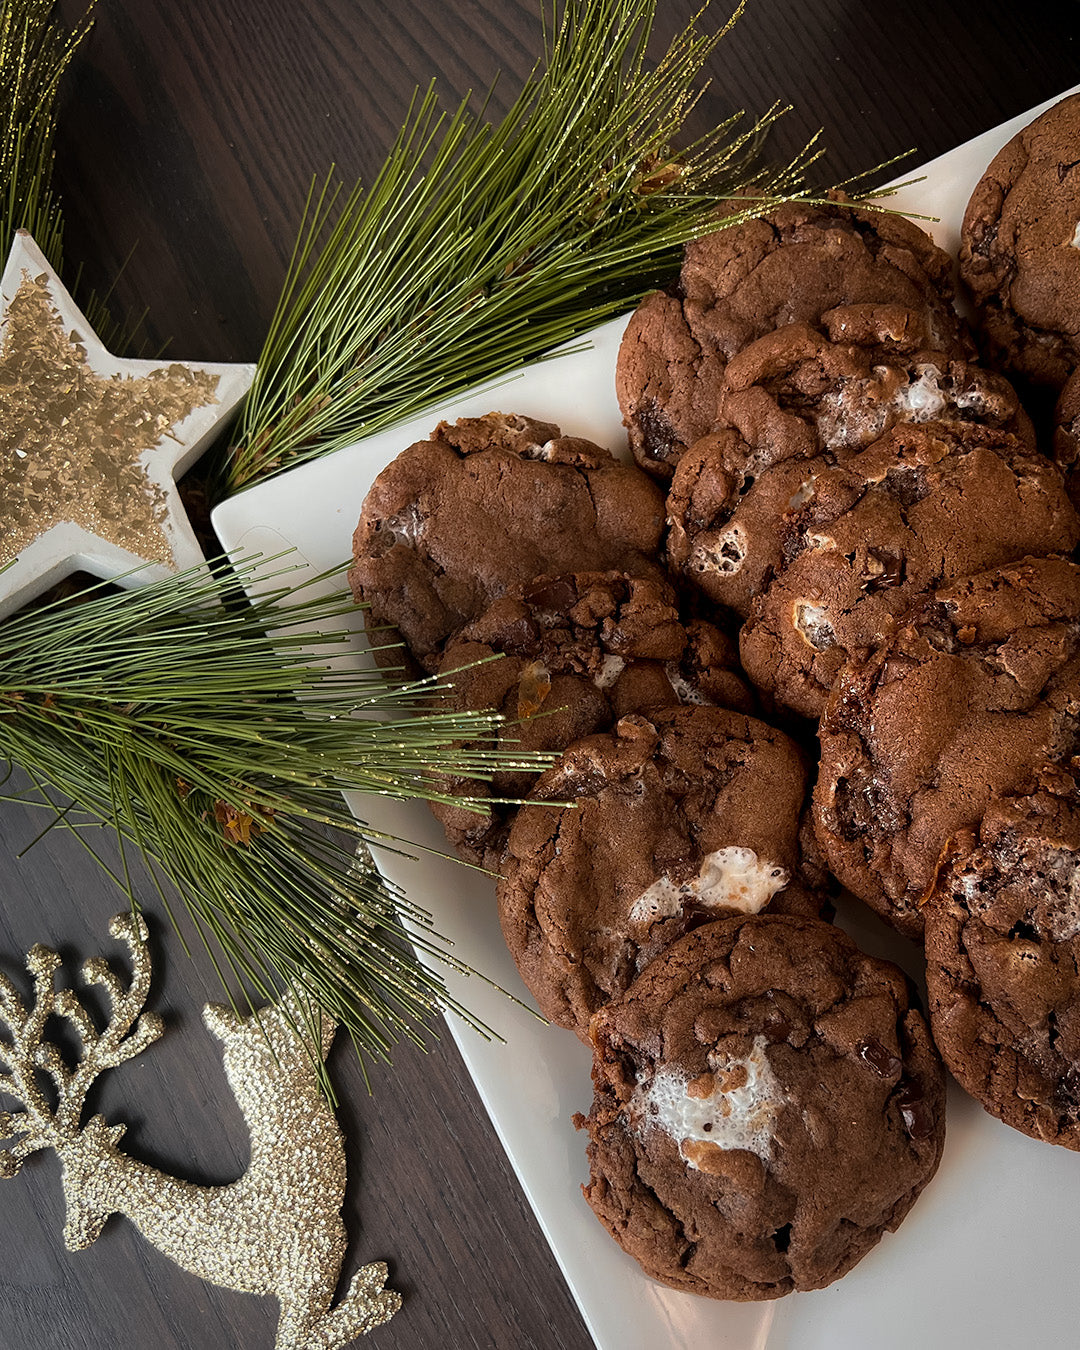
x=767 y=1104
x=745 y=280
x=667 y=379
x=1020 y=249
x=1003 y=956
x=673 y=818
x=976 y=692
x=924 y=505
x=483 y=505
x=576 y=653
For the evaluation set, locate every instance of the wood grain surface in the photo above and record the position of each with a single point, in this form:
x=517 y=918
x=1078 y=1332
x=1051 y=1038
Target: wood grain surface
x=189 y=133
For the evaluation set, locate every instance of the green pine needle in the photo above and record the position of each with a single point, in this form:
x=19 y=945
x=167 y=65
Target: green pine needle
x=34 y=53
x=480 y=246
x=167 y=714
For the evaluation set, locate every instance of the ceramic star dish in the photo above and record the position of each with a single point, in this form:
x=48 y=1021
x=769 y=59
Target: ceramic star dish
x=91 y=444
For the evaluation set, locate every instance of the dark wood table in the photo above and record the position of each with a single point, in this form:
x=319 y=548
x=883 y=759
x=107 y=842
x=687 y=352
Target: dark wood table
x=189 y=132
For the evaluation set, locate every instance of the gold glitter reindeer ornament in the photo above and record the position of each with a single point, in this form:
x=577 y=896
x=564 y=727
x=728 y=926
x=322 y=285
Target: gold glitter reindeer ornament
x=278 y=1229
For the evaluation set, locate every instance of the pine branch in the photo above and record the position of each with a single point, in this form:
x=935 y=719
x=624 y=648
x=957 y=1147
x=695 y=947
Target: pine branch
x=167 y=714
x=480 y=246
x=34 y=54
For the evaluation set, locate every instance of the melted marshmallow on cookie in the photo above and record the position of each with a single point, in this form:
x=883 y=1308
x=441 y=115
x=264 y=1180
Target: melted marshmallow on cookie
x=610 y=669
x=859 y=412
x=730 y=878
x=734 y=1106
x=722 y=552
x=683 y=690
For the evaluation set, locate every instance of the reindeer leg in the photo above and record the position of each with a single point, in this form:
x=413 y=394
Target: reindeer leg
x=302 y=1326
x=294 y=1329
x=366 y=1305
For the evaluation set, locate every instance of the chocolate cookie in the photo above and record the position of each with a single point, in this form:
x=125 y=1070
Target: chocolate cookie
x=577 y=653
x=767 y=1104
x=1066 y=441
x=1020 y=248
x=672 y=818
x=924 y=505
x=1003 y=955
x=804 y=391
x=747 y=279
x=486 y=504
x=976 y=692
x=795 y=396
x=723 y=534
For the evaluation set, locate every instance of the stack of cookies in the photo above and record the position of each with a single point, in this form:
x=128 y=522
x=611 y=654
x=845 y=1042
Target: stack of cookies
x=839 y=522
x=670 y=839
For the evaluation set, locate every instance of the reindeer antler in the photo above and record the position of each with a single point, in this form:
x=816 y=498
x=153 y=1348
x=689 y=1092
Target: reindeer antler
x=19 y=1058
x=26 y=1053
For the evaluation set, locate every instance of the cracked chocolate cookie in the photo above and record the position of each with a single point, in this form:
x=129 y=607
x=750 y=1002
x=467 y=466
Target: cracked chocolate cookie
x=767 y=1104
x=861 y=540
x=803 y=391
x=745 y=280
x=577 y=652
x=485 y=504
x=797 y=395
x=1003 y=959
x=976 y=692
x=673 y=818
x=1020 y=249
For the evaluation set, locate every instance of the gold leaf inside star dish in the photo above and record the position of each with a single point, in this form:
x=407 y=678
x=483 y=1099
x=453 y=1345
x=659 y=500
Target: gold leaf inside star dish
x=71 y=440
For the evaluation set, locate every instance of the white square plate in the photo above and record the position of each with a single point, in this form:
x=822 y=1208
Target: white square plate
x=987 y=1256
